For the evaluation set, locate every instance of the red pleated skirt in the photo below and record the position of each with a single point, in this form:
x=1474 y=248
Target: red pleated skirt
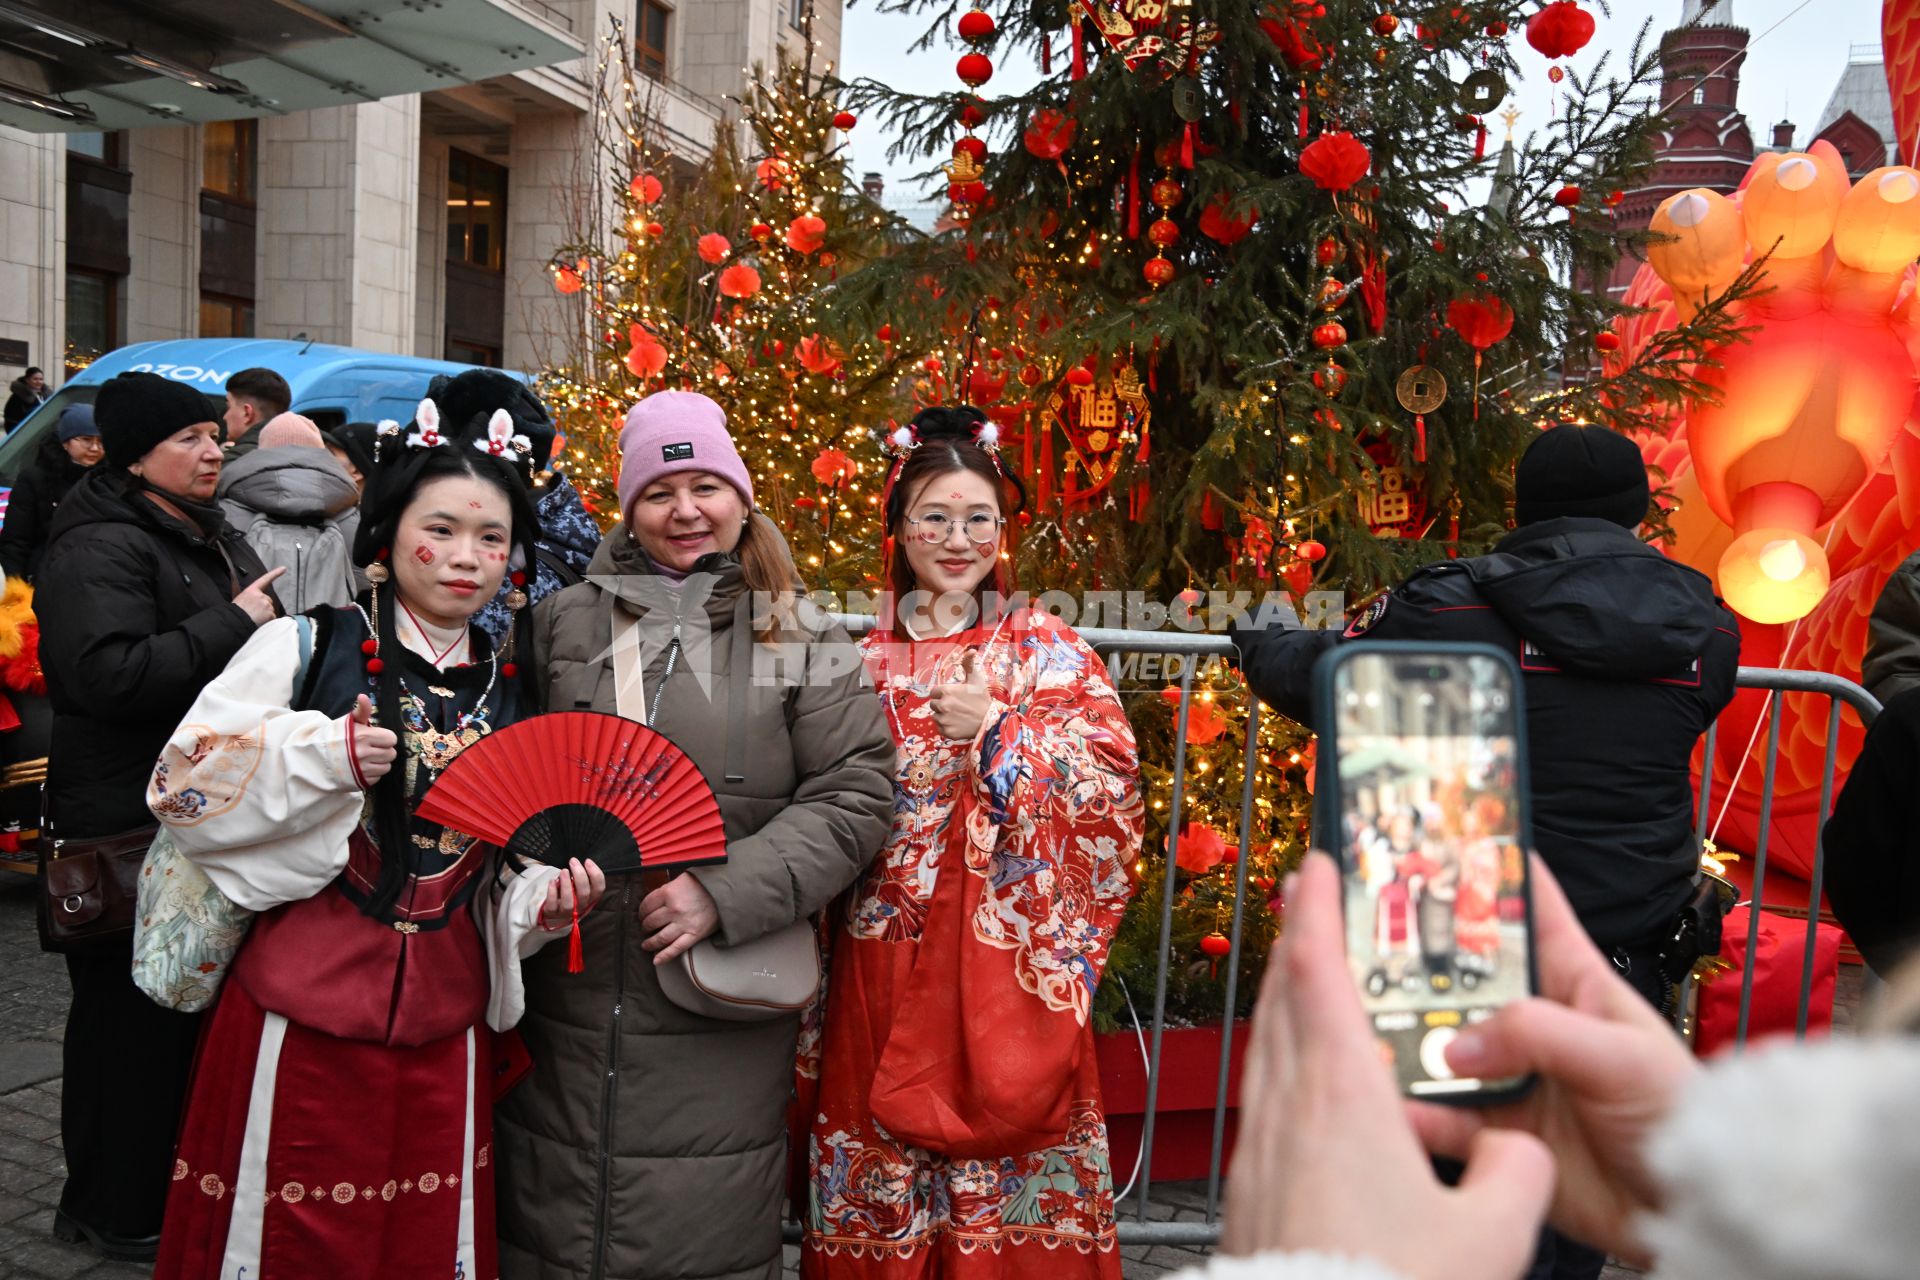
x=306 y=1155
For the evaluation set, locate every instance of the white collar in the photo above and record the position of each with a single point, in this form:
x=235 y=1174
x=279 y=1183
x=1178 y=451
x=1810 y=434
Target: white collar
x=442 y=646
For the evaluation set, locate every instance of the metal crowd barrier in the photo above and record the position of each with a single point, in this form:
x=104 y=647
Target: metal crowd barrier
x=1136 y=1225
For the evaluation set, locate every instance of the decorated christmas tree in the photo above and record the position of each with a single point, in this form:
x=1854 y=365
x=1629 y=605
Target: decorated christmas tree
x=1261 y=302
x=704 y=274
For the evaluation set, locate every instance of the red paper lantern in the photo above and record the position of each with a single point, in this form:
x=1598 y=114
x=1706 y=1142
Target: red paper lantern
x=645 y=188
x=831 y=467
x=884 y=333
x=1385 y=25
x=1216 y=945
x=1163 y=233
x=972 y=148
x=1329 y=335
x=1032 y=376
x=567 y=280
x=844 y=120
x=1166 y=193
x=1080 y=376
x=806 y=233
x=1217 y=223
x=1299 y=575
x=973 y=113
x=1049 y=134
x=1481 y=320
x=976 y=25
x=655 y=229
x=1331 y=379
x=1560 y=29
x=1202 y=849
x=1158 y=271
x=646 y=355
x=760 y=231
x=1567 y=197
x=967 y=192
x=1614 y=198
x=974 y=69
x=739 y=281
x=819 y=355
x=1335 y=161
x=1311 y=551
x=713 y=248
x=773 y=173
x=1607 y=340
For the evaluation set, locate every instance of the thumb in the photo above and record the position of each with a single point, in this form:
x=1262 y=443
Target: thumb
x=976 y=673
x=1511 y=1173
x=363 y=710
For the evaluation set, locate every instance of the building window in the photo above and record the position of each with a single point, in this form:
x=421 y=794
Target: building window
x=1699 y=96
x=650 y=39
x=472 y=353
x=104 y=147
x=225 y=317
x=93 y=312
x=229 y=151
x=476 y=211
x=797 y=13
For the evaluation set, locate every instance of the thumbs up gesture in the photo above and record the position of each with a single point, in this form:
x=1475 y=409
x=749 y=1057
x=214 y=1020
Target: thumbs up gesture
x=373 y=748
x=960 y=708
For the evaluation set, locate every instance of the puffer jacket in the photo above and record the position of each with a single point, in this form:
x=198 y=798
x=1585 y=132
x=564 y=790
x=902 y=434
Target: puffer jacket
x=299 y=510
x=39 y=491
x=650 y=1142
x=136 y=616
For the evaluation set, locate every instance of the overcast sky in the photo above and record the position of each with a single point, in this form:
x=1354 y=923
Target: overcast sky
x=1791 y=68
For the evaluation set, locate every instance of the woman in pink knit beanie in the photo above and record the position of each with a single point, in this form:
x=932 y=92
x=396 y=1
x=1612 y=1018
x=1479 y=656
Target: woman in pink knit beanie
x=649 y=1112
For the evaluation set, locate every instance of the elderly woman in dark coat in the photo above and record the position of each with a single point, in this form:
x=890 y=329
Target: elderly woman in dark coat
x=144 y=595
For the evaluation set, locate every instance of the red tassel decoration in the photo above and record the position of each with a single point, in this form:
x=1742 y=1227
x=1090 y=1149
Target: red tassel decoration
x=1476 y=386
x=1480 y=141
x=1046 y=467
x=1133 y=197
x=1079 y=50
x=1046 y=54
x=1187 y=137
x=576 y=958
x=1453 y=531
x=1419 y=437
x=1303 y=108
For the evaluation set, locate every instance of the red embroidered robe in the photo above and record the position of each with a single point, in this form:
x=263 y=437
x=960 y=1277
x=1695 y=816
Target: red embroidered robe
x=958 y=1130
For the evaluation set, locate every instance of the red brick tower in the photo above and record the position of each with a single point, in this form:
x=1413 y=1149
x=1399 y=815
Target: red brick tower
x=1705 y=142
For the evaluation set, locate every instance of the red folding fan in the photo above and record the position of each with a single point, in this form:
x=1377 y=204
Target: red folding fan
x=582 y=784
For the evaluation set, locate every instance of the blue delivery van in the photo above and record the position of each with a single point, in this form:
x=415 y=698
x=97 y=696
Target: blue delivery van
x=331 y=385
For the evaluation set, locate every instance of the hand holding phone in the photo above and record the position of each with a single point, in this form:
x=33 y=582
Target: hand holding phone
x=1422 y=797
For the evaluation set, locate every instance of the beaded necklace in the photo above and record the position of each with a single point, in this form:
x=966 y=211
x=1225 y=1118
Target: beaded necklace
x=434 y=749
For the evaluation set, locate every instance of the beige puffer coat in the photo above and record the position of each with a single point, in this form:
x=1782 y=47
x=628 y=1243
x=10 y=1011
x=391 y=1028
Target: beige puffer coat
x=650 y=1143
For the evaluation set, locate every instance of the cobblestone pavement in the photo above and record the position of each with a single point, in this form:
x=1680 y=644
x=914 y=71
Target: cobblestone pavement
x=33 y=1004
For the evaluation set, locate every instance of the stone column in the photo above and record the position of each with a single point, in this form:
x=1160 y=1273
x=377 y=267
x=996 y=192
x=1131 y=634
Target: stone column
x=339 y=206
x=430 y=267
x=545 y=178
x=163 y=232
x=33 y=249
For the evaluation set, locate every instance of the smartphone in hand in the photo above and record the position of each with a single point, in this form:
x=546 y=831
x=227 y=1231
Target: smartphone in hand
x=1422 y=795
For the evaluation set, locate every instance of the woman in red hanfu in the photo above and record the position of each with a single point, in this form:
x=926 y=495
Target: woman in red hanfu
x=339 y=1123
x=958 y=1129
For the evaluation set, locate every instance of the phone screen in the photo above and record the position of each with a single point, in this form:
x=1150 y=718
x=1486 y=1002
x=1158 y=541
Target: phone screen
x=1433 y=837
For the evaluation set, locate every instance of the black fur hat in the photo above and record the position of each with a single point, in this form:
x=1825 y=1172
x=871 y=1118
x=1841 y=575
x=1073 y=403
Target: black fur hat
x=467 y=400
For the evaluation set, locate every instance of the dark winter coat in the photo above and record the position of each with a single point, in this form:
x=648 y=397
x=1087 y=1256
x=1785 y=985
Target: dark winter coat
x=30 y=507
x=136 y=615
x=1872 y=844
x=1628 y=657
x=299 y=510
x=649 y=1141
x=1892 y=664
x=21 y=401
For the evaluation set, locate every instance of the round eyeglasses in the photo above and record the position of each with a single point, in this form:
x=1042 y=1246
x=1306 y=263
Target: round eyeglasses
x=937 y=526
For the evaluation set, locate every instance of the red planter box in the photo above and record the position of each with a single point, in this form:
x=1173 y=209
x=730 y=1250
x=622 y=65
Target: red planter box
x=1189 y=1077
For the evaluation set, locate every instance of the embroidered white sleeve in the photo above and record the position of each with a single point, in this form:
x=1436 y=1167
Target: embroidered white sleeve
x=509 y=920
x=260 y=796
x=1288 y=1266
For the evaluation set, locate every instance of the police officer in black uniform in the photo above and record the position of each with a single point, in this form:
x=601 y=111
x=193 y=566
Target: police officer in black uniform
x=1627 y=658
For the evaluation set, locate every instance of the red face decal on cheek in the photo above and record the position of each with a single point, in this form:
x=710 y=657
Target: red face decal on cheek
x=986 y=552
x=423 y=553
x=498 y=557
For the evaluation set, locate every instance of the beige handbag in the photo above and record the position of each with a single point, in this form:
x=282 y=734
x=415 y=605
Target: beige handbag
x=768 y=977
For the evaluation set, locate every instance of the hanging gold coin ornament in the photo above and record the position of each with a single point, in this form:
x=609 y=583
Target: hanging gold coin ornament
x=1420 y=390
x=1482 y=91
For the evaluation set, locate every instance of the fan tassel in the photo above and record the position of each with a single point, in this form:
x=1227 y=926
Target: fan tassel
x=576 y=957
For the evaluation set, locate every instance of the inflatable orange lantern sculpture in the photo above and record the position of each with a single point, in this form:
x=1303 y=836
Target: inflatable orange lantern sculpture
x=1812 y=398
